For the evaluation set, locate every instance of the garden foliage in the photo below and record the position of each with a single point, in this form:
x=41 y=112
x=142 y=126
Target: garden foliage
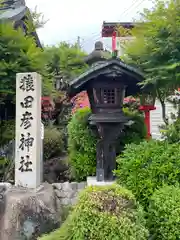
x=53 y=143
x=172 y=132
x=164 y=213
x=110 y=213
x=7 y=129
x=18 y=53
x=82 y=141
x=4 y=165
x=81 y=145
x=143 y=168
x=133 y=133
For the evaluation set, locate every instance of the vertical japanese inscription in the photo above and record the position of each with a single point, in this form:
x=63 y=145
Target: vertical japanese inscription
x=25 y=164
x=26 y=140
x=26 y=120
x=27 y=83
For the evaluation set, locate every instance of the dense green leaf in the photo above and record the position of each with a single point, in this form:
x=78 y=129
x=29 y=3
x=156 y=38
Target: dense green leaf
x=18 y=53
x=143 y=168
x=164 y=213
x=104 y=213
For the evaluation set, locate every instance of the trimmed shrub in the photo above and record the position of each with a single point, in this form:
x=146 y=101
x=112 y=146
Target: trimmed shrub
x=82 y=141
x=143 y=168
x=81 y=145
x=53 y=143
x=164 y=213
x=108 y=212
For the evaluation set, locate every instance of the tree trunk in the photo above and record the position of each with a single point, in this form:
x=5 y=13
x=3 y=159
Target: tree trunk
x=163 y=105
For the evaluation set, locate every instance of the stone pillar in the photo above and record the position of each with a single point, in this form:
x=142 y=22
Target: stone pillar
x=42 y=148
x=28 y=161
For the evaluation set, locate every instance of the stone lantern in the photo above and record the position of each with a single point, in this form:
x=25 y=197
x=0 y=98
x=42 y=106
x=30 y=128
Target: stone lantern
x=147 y=102
x=107 y=82
x=58 y=82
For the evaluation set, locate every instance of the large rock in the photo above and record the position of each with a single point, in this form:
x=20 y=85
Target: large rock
x=3 y=189
x=29 y=213
x=67 y=193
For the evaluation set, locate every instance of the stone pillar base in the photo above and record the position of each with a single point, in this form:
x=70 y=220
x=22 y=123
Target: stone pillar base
x=92 y=181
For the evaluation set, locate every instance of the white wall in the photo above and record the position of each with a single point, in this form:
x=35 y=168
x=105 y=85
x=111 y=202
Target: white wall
x=156 y=117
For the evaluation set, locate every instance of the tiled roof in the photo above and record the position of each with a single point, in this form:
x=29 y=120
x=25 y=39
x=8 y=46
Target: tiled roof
x=13 y=14
x=16 y=11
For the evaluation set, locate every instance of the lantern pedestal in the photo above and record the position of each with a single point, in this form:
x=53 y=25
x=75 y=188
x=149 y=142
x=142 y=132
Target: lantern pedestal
x=92 y=181
x=109 y=128
x=146 y=109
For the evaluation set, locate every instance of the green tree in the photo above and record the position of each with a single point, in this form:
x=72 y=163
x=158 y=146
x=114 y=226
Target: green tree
x=65 y=59
x=156 y=48
x=18 y=54
x=67 y=62
x=38 y=19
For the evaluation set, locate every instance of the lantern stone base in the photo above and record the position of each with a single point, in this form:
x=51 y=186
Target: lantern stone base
x=92 y=181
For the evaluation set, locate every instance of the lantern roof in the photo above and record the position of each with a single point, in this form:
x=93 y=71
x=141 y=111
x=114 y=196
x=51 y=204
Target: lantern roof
x=98 y=54
x=112 y=68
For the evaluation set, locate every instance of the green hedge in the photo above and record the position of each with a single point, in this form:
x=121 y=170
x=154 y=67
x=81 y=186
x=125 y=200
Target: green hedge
x=81 y=145
x=82 y=141
x=143 y=168
x=103 y=213
x=164 y=213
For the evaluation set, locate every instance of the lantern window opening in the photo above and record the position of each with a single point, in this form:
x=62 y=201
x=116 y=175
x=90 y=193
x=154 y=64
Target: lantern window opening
x=108 y=96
